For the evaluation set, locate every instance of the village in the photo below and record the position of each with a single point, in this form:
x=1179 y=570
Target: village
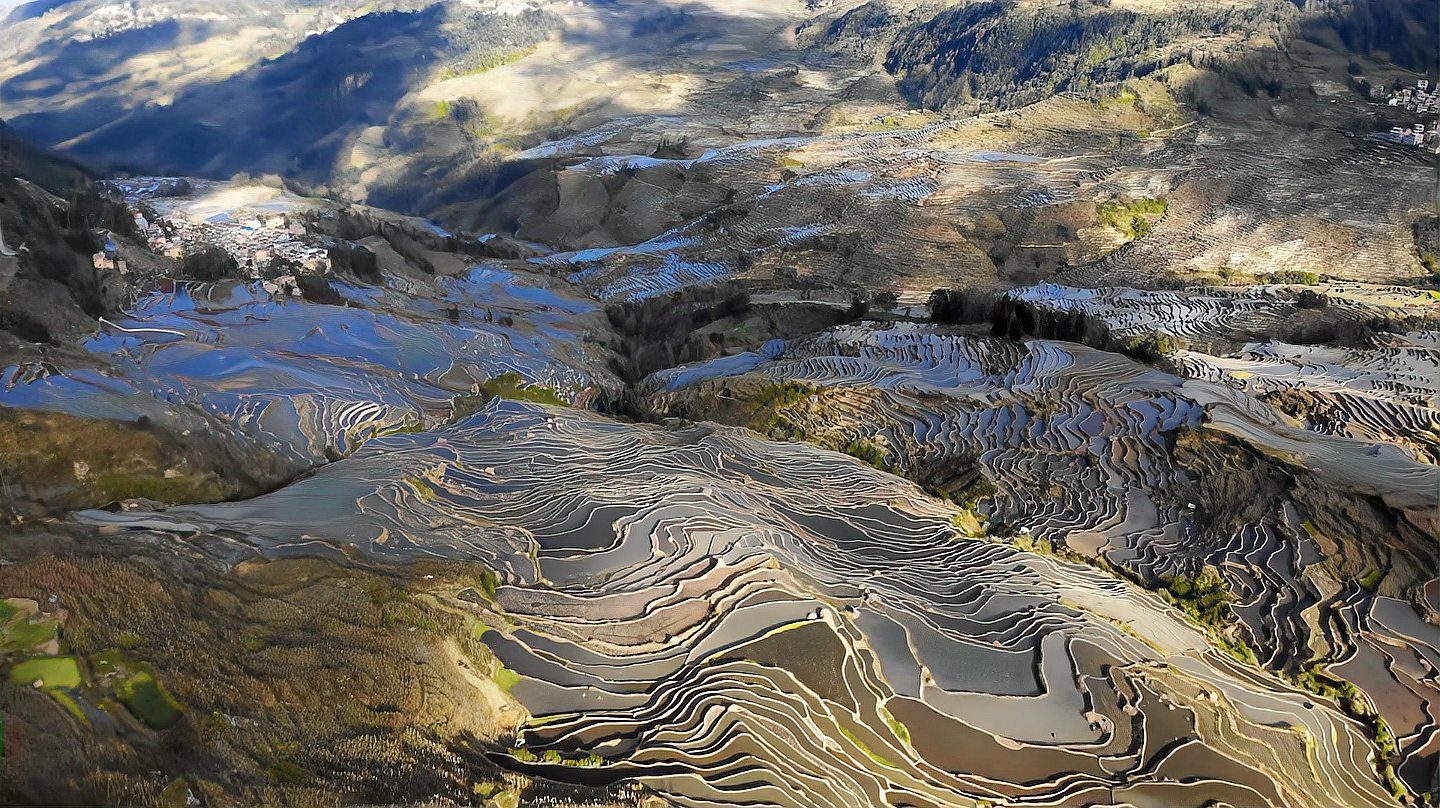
x=270 y=244
x=1423 y=99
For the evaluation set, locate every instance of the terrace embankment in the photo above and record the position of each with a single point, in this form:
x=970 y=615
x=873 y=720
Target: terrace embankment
x=699 y=323
x=1150 y=324
x=183 y=382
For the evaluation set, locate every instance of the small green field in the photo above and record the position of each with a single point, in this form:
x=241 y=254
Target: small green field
x=147 y=699
x=506 y=679
x=511 y=386
x=50 y=671
x=20 y=632
x=1133 y=218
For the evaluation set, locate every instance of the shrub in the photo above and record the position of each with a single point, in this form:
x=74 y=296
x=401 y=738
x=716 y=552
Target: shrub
x=1298 y=277
x=864 y=450
x=1131 y=218
x=511 y=386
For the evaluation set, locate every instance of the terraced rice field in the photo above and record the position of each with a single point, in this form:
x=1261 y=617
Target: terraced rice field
x=1379 y=395
x=885 y=563
x=310 y=381
x=1105 y=458
x=736 y=621
x=1383 y=392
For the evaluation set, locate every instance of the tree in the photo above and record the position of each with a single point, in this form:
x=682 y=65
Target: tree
x=858 y=308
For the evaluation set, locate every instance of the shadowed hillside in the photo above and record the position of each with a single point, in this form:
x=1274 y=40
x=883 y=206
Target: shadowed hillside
x=289 y=115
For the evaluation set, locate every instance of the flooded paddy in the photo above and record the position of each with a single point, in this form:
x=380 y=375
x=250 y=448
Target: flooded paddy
x=1092 y=453
x=718 y=637
x=312 y=381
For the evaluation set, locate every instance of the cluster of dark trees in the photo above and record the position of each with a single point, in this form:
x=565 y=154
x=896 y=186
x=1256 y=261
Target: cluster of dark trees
x=994 y=54
x=662 y=332
x=659 y=332
x=1015 y=319
x=476 y=39
x=963 y=306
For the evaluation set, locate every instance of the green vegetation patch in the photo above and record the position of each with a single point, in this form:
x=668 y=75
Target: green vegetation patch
x=489 y=582
x=781 y=395
x=1152 y=346
x=1124 y=98
x=407 y=428
x=969 y=495
x=69 y=704
x=147 y=699
x=1134 y=218
x=107 y=663
x=21 y=631
x=94 y=461
x=1234 y=277
x=878 y=758
x=767 y=408
x=137 y=686
x=1296 y=277
x=60 y=671
x=175 y=795
x=1353 y=703
x=407 y=615
x=122 y=485
x=865 y=450
x=287 y=773
x=506 y=678
x=421 y=487
x=556 y=758
x=1371 y=578
x=512 y=387
x=381 y=592
x=483 y=63
x=901 y=732
x=1206 y=599
x=1103 y=50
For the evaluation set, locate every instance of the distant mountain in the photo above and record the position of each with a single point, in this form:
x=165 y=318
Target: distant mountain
x=20 y=10
x=1007 y=54
x=162 y=87
x=23 y=159
x=393 y=102
x=289 y=115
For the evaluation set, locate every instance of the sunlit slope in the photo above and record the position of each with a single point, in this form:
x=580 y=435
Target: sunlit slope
x=733 y=620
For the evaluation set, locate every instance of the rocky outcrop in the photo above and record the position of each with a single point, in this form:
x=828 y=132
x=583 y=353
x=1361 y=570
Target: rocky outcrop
x=50 y=290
